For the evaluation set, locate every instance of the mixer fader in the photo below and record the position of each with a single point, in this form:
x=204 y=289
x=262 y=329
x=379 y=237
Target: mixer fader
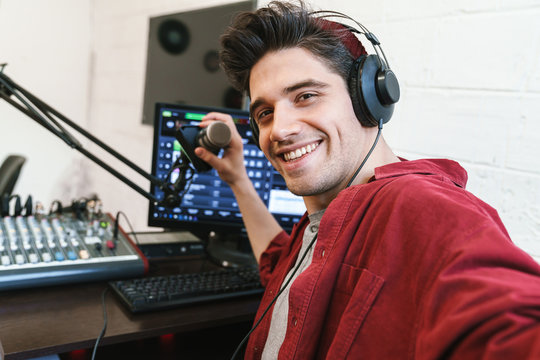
x=54 y=249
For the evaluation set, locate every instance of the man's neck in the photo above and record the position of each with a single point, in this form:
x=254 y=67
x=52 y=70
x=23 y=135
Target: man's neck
x=382 y=155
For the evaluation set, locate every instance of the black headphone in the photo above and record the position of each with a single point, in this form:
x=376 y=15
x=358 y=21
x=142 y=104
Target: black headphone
x=373 y=86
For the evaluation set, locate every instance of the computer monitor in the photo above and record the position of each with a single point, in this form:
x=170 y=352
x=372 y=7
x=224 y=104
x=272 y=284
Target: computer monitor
x=209 y=204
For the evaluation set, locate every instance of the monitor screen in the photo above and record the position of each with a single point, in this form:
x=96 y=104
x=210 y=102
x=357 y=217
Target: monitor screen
x=209 y=203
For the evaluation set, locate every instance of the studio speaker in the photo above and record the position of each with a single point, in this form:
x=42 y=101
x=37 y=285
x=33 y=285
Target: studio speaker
x=182 y=60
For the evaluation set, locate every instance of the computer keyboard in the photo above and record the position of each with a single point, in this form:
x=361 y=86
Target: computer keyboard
x=165 y=292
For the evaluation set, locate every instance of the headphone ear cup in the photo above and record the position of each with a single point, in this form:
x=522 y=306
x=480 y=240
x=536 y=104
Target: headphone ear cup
x=373 y=91
x=356 y=92
x=387 y=87
x=254 y=131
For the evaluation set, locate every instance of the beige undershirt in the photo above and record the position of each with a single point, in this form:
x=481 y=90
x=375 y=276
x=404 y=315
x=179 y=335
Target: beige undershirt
x=278 y=324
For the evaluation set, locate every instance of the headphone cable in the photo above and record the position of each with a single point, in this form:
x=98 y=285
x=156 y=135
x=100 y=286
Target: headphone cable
x=368 y=154
x=275 y=298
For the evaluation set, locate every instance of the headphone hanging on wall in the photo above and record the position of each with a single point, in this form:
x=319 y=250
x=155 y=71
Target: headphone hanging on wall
x=373 y=86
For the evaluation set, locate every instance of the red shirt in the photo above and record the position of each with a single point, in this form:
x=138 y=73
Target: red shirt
x=407 y=266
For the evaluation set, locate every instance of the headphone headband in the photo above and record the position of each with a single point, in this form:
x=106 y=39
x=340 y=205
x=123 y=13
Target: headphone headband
x=325 y=14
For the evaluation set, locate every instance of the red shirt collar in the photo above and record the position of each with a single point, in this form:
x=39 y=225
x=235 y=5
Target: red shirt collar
x=443 y=167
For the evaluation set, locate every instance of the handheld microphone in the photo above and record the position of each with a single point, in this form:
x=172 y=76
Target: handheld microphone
x=214 y=137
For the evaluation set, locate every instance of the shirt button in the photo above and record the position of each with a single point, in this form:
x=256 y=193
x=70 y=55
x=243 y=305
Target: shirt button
x=294 y=322
x=314 y=228
x=323 y=252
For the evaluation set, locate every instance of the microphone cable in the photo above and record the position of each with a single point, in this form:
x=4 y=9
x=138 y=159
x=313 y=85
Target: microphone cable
x=286 y=283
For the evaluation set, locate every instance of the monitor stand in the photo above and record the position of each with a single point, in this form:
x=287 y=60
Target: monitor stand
x=230 y=251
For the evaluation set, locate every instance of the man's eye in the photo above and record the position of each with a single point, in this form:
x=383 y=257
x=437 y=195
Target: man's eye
x=306 y=96
x=262 y=114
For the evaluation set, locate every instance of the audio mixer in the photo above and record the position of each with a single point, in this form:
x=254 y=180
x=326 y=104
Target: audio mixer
x=54 y=249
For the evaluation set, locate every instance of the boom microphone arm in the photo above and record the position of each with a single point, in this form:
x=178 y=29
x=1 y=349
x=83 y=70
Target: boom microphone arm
x=49 y=118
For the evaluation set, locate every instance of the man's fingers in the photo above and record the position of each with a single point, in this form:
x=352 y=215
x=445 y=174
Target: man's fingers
x=207 y=156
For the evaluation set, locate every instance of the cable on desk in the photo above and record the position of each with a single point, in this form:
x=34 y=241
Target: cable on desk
x=116 y=226
x=102 y=333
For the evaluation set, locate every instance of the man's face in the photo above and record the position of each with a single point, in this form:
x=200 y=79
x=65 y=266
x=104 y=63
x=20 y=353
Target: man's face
x=308 y=129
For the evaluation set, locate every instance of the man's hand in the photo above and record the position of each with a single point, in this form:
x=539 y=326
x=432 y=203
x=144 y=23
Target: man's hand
x=230 y=167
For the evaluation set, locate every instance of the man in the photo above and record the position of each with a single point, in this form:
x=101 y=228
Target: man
x=394 y=259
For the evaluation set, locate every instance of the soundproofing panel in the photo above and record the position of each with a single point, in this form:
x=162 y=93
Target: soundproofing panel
x=182 y=60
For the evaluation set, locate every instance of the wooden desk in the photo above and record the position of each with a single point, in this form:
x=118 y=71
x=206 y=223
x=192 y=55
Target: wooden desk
x=52 y=320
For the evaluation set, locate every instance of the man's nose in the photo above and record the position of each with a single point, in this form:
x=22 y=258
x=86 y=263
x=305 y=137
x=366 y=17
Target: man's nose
x=285 y=123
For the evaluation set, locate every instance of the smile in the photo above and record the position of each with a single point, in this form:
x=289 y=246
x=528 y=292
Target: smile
x=295 y=154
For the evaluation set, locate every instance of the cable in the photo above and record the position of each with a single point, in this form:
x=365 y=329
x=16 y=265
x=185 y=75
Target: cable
x=102 y=333
x=116 y=226
x=284 y=286
x=368 y=154
x=17 y=210
x=28 y=206
x=275 y=297
x=59 y=208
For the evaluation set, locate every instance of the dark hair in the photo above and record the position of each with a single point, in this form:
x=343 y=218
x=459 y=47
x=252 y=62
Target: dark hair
x=278 y=26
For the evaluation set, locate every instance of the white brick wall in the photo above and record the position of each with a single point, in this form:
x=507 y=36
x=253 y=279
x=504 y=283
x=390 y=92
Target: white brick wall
x=469 y=73
x=469 y=93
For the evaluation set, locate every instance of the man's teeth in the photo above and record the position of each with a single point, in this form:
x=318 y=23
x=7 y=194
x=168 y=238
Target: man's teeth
x=299 y=152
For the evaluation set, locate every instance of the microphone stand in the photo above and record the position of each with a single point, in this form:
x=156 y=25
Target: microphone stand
x=49 y=118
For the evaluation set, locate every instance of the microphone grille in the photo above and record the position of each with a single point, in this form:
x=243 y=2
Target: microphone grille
x=218 y=134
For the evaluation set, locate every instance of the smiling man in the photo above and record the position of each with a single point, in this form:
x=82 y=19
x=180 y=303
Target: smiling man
x=394 y=259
